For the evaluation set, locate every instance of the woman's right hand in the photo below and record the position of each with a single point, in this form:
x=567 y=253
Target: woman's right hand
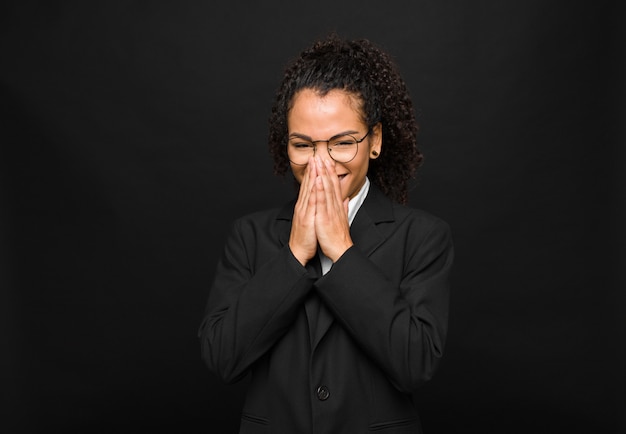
x=303 y=239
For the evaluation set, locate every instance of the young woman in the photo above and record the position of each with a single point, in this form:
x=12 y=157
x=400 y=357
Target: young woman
x=336 y=303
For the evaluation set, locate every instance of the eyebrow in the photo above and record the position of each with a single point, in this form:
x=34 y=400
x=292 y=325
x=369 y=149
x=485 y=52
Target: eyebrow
x=305 y=137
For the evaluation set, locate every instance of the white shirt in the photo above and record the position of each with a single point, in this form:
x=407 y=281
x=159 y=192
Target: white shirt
x=353 y=206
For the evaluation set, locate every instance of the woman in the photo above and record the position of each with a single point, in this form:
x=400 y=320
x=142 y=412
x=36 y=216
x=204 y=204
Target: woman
x=336 y=304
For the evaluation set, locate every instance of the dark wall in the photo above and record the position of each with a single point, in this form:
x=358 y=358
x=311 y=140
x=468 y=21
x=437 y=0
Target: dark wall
x=133 y=133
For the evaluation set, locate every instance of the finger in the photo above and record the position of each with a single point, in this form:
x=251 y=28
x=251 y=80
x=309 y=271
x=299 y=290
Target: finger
x=320 y=193
x=322 y=185
x=329 y=197
x=334 y=201
x=310 y=173
x=312 y=204
x=304 y=181
x=332 y=205
x=308 y=179
x=334 y=179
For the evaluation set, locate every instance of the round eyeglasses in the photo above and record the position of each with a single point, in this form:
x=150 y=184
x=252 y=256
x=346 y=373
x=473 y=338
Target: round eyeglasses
x=342 y=148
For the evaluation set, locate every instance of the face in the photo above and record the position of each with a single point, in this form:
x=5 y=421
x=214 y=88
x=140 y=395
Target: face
x=322 y=117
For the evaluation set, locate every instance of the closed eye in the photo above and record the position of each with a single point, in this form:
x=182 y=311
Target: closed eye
x=302 y=145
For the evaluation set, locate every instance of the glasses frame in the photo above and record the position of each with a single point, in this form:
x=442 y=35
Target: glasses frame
x=315 y=142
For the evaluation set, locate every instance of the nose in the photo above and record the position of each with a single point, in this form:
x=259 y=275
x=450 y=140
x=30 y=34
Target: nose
x=324 y=153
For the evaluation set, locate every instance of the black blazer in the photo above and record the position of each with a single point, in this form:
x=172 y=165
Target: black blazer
x=339 y=353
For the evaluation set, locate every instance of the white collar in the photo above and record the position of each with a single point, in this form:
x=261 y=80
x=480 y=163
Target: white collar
x=356 y=202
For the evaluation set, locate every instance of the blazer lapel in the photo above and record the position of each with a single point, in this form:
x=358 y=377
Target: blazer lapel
x=283 y=222
x=366 y=230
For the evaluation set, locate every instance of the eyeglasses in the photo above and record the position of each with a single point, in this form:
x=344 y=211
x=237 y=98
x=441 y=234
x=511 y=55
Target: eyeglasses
x=341 y=148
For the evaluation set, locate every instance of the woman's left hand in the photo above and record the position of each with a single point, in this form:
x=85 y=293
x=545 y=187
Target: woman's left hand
x=331 y=216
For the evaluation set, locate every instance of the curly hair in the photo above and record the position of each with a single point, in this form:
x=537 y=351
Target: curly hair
x=361 y=69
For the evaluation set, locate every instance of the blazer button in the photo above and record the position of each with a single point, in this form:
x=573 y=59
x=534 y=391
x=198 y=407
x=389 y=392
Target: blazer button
x=322 y=393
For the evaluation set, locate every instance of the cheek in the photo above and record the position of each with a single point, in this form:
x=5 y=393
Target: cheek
x=361 y=163
x=298 y=172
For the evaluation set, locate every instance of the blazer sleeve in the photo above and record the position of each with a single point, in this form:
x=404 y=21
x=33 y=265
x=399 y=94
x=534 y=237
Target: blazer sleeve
x=401 y=327
x=253 y=301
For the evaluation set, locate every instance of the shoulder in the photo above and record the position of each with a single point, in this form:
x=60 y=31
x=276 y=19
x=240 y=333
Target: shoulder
x=418 y=216
x=260 y=215
x=266 y=218
x=422 y=229
x=384 y=210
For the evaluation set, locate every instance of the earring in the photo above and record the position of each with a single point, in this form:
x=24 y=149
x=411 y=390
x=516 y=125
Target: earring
x=374 y=153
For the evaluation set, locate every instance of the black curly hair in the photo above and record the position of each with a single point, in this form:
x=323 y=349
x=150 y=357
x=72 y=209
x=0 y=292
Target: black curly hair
x=364 y=70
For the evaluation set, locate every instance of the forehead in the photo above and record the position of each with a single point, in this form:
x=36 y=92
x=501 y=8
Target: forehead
x=314 y=112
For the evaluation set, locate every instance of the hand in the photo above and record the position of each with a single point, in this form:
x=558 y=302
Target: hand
x=303 y=240
x=331 y=211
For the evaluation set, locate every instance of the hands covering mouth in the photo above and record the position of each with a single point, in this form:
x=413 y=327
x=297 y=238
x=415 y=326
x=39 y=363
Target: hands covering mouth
x=321 y=214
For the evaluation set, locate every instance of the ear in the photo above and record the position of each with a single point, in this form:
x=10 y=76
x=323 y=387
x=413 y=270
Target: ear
x=376 y=141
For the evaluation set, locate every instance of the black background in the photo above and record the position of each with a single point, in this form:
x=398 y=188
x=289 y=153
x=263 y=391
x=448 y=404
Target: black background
x=134 y=132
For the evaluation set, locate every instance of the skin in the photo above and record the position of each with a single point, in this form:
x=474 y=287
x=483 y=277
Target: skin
x=321 y=211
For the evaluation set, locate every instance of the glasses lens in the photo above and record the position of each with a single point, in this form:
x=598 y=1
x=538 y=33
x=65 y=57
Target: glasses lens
x=300 y=151
x=343 y=149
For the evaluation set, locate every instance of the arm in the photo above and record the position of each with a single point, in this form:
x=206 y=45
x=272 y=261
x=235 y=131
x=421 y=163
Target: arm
x=402 y=326
x=250 y=308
